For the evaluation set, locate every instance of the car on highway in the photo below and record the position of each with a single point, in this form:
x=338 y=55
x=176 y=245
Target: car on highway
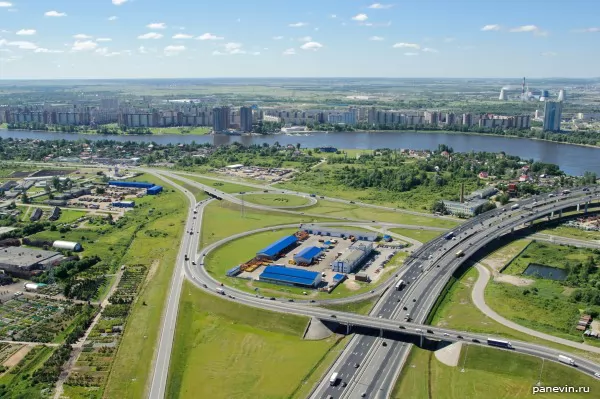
x=205 y=286
x=356 y=365
x=333 y=316
x=362 y=395
x=475 y=340
x=418 y=330
x=193 y=263
x=272 y=299
x=402 y=327
x=597 y=375
x=446 y=335
x=344 y=384
x=459 y=337
x=384 y=343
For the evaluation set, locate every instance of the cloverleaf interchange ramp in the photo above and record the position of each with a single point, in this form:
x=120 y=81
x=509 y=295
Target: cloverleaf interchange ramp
x=427 y=270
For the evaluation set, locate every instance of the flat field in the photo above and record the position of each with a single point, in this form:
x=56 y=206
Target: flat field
x=218 y=339
x=419 y=235
x=488 y=372
x=277 y=200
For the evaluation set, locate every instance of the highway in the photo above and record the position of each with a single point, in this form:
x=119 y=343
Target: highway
x=366 y=365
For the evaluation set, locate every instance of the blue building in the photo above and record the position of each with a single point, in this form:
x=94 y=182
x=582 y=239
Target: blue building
x=328 y=149
x=552 y=116
x=154 y=190
x=278 y=247
x=130 y=184
x=307 y=255
x=290 y=276
x=124 y=204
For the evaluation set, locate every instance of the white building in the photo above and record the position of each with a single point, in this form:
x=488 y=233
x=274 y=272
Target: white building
x=352 y=258
x=468 y=208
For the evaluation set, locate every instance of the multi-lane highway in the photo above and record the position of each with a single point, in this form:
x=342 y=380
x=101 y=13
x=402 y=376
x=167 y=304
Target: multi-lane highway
x=368 y=367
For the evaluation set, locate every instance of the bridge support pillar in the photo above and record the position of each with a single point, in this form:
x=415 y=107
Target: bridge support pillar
x=586 y=207
x=348 y=329
x=561 y=213
x=551 y=215
x=380 y=332
x=421 y=340
x=578 y=205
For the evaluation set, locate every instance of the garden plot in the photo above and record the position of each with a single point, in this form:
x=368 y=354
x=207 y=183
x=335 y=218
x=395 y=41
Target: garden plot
x=35 y=319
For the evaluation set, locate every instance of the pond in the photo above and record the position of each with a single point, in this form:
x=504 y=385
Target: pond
x=547 y=272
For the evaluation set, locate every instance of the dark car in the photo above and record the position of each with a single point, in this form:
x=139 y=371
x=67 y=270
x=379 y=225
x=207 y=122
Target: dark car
x=459 y=336
x=475 y=340
x=290 y=300
x=430 y=331
x=384 y=343
x=414 y=299
x=356 y=365
x=333 y=316
x=344 y=384
x=402 y=327
x=405 y=308
x=272 y=299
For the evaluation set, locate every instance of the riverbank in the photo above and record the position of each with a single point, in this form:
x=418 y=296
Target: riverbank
x=156 y=131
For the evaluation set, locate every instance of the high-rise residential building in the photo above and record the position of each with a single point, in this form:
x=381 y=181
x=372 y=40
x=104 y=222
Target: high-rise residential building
x=221 y=116
x=552 y=115
x=246 y=119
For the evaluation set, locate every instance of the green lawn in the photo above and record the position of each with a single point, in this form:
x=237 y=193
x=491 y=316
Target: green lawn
x=277 y=200
x=548 y=254
x=223 y=219
x=488 y=373
x=133 y=362
x=199 y=194
x=419 y=235
x=70 y=215
x=361 y=307
x=226 y=187
x=331 y=208
x=572 y=232
x=199 y=130
x=226 y=350
x=457 y=311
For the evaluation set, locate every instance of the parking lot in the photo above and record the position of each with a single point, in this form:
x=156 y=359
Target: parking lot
x=104 y=201
x=377 y=261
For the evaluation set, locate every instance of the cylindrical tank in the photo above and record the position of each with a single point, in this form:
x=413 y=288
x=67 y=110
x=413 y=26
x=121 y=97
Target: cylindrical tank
x=31 y=287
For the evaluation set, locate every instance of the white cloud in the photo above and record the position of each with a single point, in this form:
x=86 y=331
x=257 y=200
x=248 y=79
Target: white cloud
x=256 y=53
x=407 y=45
x=25 y=32
x=81 y=36
x=297 y=25
x=376 y=38
x=549 y=54
x=45 y=50
x=55 y=14
x=209 y=36
x=589 y=30
x=234 y=48
x=119 y=2
x=143 y=50
x=23 y=45
x=429 y=50
x=379 y=6
x=5 y=4
x=173 y=50
x=411 y=54
x=150 y=35
x=101 y=51
x=104 y=39
x=525 y=28
x=360 y=17
x=289 y=51
x=311 y=46
x=156 y=25
x=84 y=45
x=493 y=27
x=277 y=37
x=449 y=39
x=113 y=18
x=182 y=36
x=305 y=39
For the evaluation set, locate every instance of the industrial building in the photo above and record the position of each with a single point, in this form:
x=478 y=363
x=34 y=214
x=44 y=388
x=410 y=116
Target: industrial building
x=307 y=255
x=484 y=192
x=55 y=214
x=37 y=214
x=331 y=232
x=69 y=245
x=154 y=190
x=290 y=276
x=277 y=248
x=124 y=204
x=352 y=258
x=24 y=262
x=467 y=208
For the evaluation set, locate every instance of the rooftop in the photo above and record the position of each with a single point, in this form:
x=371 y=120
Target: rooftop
x=278 y=246
x=24 y=257
x=309 y=252
x=289 y=275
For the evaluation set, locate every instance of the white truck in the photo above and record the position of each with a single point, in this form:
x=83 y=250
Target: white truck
x=399 y=285
x=566 y=360
x=220 y=291
x=515 y=206
x=333 y=379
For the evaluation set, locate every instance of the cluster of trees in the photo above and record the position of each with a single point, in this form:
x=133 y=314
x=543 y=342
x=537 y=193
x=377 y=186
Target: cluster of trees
x=586 y=278
x=101 y=129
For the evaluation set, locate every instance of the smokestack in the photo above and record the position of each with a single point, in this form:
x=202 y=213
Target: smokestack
x=462 y=193
x=502 y=95
x=523 y=87
x=561 y=96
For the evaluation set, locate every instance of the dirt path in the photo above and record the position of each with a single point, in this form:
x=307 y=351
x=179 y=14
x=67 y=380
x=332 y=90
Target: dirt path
x=17 y=356
x=78 y=347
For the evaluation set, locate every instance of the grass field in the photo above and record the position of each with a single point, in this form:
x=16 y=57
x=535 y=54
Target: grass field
x=132 y=365
x=488 y=373
x=222 y=219
x=419 y=235
x=331 y=208
x=199 y=194
x=227 y=350
x=226 y=187
x=188 y=130
x=548 y=254
x=70 y=215
x=277 y=200
x=572 y=232
x=360 y=307
x=457 y=311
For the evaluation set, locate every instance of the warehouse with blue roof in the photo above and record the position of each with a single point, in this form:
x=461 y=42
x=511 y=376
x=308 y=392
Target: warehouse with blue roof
x=280 y=246
x=290 y=276
x=151 y=188
x=307 y=255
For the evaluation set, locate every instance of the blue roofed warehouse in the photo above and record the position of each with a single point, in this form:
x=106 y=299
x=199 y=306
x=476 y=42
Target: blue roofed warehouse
x=278 y=247
x=290 y=276
x=130 y=184
x=307 y=255
x=154 y=190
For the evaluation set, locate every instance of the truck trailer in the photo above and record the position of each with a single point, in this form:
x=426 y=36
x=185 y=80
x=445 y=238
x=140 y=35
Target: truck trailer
x=499 y=342
x=333 y=379
x=566 y=360
x=220 y=291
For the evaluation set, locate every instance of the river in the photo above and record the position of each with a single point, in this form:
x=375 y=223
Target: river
x=574 y=160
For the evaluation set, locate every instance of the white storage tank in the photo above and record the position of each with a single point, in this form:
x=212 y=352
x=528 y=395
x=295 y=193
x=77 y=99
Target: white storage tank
x=69 y=245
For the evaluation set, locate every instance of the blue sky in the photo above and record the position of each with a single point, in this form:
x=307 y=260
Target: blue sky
x=312 y=38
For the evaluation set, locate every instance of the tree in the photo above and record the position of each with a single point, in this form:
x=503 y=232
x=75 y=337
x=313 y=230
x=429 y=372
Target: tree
x=25 y=198
x=56 y=183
